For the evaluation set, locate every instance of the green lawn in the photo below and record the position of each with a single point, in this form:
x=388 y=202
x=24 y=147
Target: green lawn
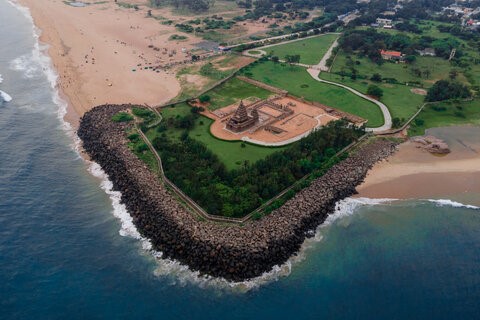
x=446 y=114
x=231 y=153
x=401 y=102
x=438 y=68
x=234 y=90
x=311 y=50
x=299 y=83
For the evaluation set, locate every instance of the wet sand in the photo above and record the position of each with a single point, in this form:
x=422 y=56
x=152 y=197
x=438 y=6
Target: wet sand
x=415 y=173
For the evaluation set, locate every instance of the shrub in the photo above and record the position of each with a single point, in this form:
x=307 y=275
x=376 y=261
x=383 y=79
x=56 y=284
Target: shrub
x=204 y=98
x=375 y=91
x=122 y=117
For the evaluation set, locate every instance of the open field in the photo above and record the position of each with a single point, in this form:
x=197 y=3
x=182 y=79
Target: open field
x=401 y=102
x=446 y=114
x=311 y=50
x=231 y=153
x=437 y=68
x=196 y=78
x=299 y=83
x=232 y=91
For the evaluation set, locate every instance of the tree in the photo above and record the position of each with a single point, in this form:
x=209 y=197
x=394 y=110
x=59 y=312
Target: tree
x=204 y=98
x=376 y=77
x=275 y=59
x=374 y=91
x=445 y=90
x=396 y=122
x=292 y=58
x=453 y=74
x=410 y=59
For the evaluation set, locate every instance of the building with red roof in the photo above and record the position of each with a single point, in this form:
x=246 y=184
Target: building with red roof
x=391 y=55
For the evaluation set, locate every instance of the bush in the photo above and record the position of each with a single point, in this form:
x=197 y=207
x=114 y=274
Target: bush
x=204 y=98
x=375 y=91
x=141 y=148
x=122 y=117
x=133 y=137
x=419 y=122
x=177 y=37
x=376 y=77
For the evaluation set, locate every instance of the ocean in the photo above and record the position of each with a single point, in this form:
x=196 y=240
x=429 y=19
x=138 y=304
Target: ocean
x=69 y=250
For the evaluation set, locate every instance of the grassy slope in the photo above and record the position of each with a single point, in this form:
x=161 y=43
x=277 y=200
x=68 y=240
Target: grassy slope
x=294 y=79
x=401 y=102
x=311 y=50
x=230 y=153
x=451 y=116
x=234 y=90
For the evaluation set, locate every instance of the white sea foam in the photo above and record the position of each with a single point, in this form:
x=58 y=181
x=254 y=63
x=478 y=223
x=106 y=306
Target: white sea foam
x=5 y=96
x=179 y=274
x=450 y=203
x=1 y=79
x=38 y=63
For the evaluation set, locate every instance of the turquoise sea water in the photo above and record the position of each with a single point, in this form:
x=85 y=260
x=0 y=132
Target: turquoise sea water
x=64 y=253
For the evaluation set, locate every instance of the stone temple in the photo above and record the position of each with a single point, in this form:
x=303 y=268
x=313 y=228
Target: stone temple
x=241 y=121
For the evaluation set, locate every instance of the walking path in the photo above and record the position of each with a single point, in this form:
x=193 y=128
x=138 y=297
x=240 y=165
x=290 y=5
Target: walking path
x=387 y=118
x=322 y=65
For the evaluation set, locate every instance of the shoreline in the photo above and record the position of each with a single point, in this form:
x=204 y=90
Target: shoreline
x=232 y=252
x=93 y=51
x=413 y=173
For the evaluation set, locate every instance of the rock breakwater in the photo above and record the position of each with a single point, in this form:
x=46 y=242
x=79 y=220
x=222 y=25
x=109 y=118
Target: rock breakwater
x=233 y=252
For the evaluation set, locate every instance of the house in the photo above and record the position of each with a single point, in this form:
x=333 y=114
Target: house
x=392 y=55
x=427 y=52
x=384 y=22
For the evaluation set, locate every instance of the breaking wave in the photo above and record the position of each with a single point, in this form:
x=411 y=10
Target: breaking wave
x=5 y=96
x=38 y=63
x=450 y=203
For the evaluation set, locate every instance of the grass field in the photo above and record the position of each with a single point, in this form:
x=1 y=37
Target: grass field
x=311 y=50
x=234 y=90
x=438 y=68
x=299 y=83
x=446 y=114
x=401 y=102
x=232 y=154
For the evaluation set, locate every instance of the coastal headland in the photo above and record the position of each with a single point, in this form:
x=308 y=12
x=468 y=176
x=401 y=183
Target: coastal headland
x=233 y=252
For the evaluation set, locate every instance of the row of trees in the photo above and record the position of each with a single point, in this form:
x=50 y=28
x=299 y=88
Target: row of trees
x=194 y=5
x=201 y=175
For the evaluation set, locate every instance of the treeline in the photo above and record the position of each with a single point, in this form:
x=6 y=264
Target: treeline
x=370 y=42
x=201 y=175
x=194 y=5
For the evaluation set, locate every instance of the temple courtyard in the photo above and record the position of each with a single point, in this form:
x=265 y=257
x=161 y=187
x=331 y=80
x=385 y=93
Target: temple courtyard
x=275 y=121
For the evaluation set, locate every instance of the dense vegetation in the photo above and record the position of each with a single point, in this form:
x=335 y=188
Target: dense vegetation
x=369 y=42
x=446 y=90
x=201 y=175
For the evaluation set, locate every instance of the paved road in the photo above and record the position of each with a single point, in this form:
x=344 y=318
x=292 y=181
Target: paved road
x=387 y=118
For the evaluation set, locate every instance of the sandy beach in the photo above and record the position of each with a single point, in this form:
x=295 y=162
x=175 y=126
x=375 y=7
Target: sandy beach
x=101 y=51
x=415 y=173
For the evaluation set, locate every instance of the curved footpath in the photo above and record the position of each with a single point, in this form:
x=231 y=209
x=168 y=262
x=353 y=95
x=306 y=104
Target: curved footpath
x=233 y=252
x=387 y=118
